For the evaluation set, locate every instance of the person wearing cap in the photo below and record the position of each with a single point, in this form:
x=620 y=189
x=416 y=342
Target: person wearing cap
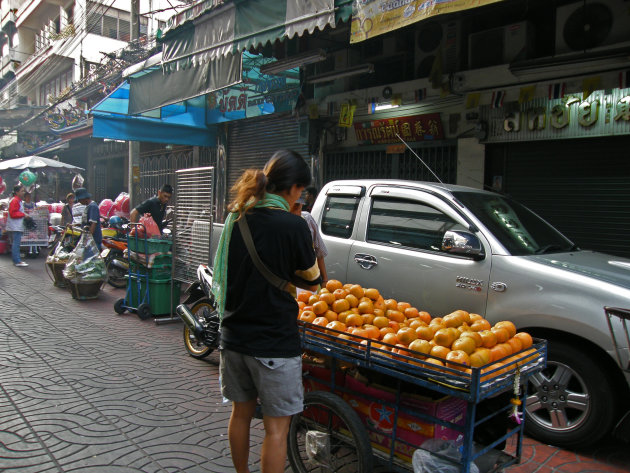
x=318 y=244
x=91 y=215
x=156 y=206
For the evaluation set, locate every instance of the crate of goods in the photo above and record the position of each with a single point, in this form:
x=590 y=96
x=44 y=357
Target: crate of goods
x=150 y=260
x=159 y=272
x=159 y=294
x=37 y=236
x=149 y=246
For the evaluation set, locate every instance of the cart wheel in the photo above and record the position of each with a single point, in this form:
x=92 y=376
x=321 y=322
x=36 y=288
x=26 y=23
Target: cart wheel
x=119 y=306
x=144 y=311
x=195 y=347
x=328 y=436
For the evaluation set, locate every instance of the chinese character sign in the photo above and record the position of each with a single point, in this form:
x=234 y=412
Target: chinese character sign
x=374 y=17
x=416 y=128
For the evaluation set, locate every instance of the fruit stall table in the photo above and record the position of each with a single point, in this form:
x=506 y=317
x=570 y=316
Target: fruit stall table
x=337 y=433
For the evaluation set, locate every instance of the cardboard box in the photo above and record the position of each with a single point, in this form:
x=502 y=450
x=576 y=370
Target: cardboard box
x=322 y=373
x=375 y=406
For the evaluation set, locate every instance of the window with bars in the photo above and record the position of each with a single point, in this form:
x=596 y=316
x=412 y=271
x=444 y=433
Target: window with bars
x=54 y=87
x=112 y=23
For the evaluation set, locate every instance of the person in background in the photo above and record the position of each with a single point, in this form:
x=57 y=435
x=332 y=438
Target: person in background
x=311 y=195
x=318 y=244
x=15 y=224
x=260 y=354
x=66 y=213
x=91 y=214
x=77 y=211
x=156 y=206
x=29 y=205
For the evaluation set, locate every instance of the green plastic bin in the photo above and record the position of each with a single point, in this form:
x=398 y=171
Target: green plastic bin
x=154 y=245
x=159 y=272
x=159 y=294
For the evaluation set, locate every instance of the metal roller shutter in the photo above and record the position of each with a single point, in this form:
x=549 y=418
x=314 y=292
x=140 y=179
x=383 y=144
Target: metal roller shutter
x=252 y=142
x=375 y=163
x=582 y=187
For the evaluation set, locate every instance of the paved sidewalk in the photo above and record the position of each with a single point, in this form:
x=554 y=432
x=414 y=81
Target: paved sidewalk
x=83 y=389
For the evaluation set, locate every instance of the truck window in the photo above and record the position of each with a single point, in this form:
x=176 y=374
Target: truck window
x=339 y=214
x=407 y=223
x=519 y=230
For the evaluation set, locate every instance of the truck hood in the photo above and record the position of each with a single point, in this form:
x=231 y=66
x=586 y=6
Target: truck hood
x=600 y=266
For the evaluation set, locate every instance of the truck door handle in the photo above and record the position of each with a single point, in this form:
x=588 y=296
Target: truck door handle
x=365 y=261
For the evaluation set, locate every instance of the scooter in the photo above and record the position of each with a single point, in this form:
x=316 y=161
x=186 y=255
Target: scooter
x=201 y=322
x=115 y=244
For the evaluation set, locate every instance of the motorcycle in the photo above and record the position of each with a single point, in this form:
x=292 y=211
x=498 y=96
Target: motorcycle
x=67 y=237
x=201 y=322
x=113 y=253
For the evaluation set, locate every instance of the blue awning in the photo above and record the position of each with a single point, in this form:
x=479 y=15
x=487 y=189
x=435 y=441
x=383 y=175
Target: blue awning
x=179 y=123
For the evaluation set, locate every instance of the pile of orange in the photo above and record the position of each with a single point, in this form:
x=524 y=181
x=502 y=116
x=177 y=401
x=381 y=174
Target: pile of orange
x=459 y=340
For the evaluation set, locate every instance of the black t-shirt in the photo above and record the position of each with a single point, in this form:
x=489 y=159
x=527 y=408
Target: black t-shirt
x=260 y=319
x=155 y=208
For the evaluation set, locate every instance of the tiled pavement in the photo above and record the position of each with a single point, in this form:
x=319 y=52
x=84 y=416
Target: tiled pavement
x=83 y=389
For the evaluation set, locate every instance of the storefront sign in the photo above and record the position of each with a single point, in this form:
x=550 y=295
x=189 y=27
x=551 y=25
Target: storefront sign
x=374 y=17
x=601 y=114
x=415 y=128
x=252 y=98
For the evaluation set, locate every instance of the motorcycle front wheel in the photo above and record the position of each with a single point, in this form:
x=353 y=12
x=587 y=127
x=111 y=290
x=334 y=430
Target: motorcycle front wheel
x=195 y=347
x=115 y=274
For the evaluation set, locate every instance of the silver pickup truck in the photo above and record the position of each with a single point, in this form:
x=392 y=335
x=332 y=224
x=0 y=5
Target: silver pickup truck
x=446 y=247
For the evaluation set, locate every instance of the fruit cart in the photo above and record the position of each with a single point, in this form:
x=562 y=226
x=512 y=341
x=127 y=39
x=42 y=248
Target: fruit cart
x=335 y=432
x=150 y=263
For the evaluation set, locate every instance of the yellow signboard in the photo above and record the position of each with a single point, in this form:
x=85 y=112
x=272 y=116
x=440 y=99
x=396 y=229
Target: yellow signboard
x=374 y=17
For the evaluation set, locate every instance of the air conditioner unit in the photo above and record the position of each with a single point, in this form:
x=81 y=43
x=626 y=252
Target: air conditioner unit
x=501 y=45
x=592 y=24
x=433 y=38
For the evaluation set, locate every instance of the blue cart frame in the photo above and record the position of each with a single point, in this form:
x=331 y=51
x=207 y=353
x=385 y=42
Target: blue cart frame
x=473 y=387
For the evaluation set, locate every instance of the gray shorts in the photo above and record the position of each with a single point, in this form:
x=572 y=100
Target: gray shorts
x=276 y=382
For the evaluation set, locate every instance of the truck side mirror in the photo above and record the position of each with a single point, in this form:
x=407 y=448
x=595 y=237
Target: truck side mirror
x=457 y=242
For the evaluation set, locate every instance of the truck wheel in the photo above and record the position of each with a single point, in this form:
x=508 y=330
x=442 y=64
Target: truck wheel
x=571 y=403
x=336 y=438
x=196 y=348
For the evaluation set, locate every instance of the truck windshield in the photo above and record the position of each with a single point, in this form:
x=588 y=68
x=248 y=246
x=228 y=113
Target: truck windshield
x=519 y=229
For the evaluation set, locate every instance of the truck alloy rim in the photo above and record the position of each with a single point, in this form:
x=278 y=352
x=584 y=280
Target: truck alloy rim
x=557 y=398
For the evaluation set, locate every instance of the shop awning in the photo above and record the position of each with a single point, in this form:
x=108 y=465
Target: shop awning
x=180 y=123
x=203 y=45
x=212 y=28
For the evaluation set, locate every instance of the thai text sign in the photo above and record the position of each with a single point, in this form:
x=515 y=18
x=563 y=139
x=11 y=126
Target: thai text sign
x=601 y=114
x=374 y=17
x=415 y=128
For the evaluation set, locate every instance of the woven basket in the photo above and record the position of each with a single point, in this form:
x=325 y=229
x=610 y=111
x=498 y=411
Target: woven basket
x=84 y=290
x=56 y=269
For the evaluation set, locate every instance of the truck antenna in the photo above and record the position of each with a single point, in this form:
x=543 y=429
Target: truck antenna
x=416 y=155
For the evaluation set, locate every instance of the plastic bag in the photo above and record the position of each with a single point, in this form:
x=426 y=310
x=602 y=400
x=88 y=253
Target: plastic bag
x=77 y=181
x=85 y=263
x=121 y=205
x=424 y=460
x=150 y=227
x=105 y=207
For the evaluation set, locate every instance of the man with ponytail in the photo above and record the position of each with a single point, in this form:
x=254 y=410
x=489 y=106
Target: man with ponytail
x=260 y=344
